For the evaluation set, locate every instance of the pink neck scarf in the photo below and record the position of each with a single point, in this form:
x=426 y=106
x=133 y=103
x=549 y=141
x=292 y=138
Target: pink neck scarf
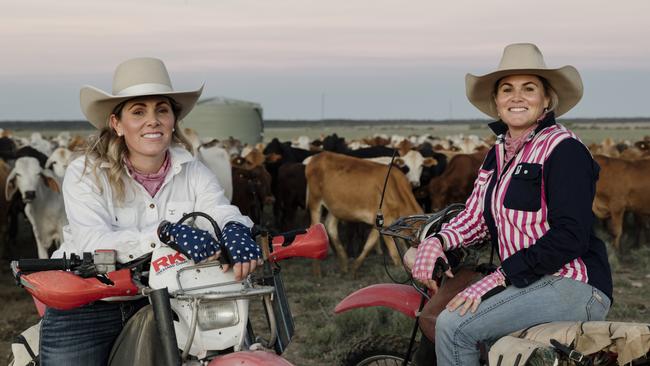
x=150 y=181
x=512 y=145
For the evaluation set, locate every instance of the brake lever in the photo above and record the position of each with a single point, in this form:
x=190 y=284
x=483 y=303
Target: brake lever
x=439 y=268
x=224 y=256
x=289 y=236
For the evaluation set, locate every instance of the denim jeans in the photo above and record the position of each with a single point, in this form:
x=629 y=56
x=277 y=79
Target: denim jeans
x=549 y=299
x=85 y=335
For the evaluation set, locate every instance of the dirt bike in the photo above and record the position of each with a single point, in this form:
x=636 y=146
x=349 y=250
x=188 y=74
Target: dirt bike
x=534 y=346
x=201 y=313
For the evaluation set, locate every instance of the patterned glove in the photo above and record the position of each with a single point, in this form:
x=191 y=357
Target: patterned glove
x=240 y=244
x=196 y=243
x=425 y=259
x=485 y=284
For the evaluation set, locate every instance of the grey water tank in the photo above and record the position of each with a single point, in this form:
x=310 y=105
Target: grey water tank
x=222 y=118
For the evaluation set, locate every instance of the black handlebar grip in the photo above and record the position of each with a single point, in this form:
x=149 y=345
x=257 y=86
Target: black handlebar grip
x=439 y=268
x=290 y=236
x=35 y=265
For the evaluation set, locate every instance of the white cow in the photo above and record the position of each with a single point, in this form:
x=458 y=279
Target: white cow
x=58 y=162
x=413 y=160
x=217 y=159
x=44 y=208
x=396 y=139
x=39 y=143
x=301 y=142
x=62 y=139
x=466 y=144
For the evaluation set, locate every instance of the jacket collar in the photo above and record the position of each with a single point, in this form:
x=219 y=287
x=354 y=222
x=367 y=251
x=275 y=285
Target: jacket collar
x=179 y=156
x=500 y=128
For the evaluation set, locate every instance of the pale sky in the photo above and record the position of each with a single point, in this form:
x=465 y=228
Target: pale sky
x=366 y=59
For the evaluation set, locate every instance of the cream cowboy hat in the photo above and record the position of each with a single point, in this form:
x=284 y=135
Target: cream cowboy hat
x=522 y=59
x=134 y=78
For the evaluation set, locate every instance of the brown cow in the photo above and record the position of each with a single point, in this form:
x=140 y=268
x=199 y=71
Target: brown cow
x=404 y=146
x=291 y=194
x=350 y=189
x=644 y=147
x=456 y=182
x=608 y=147
x=640 y=150
x=77 y=143
x=622 y=186
x=376 y=141
x=252 y=157
x=251 y=190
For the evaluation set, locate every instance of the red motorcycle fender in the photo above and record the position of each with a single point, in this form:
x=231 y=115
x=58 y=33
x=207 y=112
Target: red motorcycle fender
x=403 y=298
x=250 y=358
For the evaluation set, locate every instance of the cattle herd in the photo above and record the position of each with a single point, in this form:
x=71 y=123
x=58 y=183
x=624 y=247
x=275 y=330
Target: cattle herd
x=307 y=181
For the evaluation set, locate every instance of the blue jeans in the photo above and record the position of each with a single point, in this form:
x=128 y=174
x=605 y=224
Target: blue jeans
x=549 y=299
x=85 y=335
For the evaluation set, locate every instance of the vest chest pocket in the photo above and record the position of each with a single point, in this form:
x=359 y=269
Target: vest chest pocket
x=525 y=189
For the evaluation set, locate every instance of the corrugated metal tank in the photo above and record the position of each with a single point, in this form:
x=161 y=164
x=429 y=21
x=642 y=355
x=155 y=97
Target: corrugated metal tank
x=222 y=118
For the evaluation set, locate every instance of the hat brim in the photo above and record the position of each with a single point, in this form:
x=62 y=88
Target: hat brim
x=566 y=81
x=98 y=105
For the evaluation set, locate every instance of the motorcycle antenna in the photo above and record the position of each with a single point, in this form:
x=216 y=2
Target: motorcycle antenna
x=379 y=224
x=379 y=218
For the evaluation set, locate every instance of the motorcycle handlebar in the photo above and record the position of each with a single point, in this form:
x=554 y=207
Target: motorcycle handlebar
x=34 y=265
x=72 y=263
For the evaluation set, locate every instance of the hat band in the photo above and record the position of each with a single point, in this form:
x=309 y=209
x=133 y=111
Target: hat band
x=141 y=89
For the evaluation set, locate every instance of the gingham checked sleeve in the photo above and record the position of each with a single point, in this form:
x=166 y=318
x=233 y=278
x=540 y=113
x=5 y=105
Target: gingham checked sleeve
x=469 y=227
x=485 y=284
x=425 y=259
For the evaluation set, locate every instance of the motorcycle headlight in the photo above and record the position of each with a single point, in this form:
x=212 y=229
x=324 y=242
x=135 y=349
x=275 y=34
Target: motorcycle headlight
x=217 y=314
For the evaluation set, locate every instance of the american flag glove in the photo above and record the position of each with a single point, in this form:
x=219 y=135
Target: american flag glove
x=485 y=284
x=425 y=258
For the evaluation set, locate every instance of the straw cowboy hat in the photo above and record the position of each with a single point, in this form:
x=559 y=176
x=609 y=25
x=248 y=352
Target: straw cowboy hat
x=524 y=59
x=134 y=78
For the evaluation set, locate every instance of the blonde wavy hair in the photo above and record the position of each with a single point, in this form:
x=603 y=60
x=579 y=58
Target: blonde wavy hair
x=108 y=147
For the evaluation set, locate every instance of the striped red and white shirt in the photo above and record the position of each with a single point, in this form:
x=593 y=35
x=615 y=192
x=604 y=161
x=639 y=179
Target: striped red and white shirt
x=518 y=224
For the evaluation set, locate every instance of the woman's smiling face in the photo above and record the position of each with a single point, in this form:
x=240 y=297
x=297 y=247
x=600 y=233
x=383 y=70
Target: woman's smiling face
x=520 y=101
x=147 y=125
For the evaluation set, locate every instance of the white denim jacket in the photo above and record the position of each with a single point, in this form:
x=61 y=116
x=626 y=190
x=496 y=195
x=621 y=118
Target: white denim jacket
x=97 y=221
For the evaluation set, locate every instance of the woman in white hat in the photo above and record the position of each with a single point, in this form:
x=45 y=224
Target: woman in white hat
x=532 y=199
x=136 y=173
